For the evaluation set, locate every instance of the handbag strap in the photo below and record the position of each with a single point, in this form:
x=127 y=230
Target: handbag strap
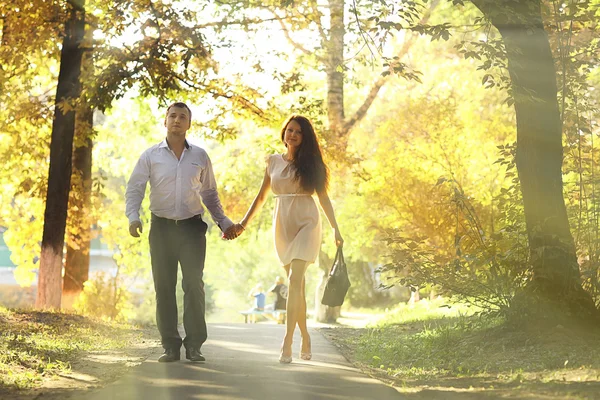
x=339 y=255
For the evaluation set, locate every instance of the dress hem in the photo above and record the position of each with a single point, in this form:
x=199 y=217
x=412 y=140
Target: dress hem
x=308 y=261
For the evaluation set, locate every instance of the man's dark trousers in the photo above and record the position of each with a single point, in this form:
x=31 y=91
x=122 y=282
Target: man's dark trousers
x=183 y=242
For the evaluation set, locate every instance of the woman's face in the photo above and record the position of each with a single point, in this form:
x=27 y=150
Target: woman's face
x=293 y=134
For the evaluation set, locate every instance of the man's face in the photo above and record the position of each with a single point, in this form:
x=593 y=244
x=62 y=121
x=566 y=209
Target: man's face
x=177 y=120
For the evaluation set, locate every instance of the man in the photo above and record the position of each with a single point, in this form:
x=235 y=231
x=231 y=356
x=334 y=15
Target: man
x=281 y=293
x=181 y=179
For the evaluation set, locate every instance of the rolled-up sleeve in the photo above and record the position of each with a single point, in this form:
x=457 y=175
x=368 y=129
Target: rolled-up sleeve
x=210 y=197
x=136 y=188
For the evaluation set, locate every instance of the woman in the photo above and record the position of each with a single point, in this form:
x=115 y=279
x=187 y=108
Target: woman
x=294 y=177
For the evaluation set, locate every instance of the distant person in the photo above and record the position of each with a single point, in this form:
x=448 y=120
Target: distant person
x=181 y=179
x=259 y=297
x=281 y=293
x=294 y=177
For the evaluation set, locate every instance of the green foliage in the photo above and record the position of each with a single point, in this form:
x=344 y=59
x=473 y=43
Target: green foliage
x=115 y=155
x=489 y=251
x=167 y=50
x=574 y=35
x=104 y=296
x=486 y=270
x=434 y=132
x=25 y=126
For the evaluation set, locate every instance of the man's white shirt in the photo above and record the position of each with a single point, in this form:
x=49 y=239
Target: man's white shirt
x=177 y=187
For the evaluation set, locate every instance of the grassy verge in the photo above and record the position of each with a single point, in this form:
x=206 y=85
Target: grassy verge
x=431 y=351
x=41 y=347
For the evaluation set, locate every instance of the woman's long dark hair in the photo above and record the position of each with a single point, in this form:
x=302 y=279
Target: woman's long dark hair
x=311 y=170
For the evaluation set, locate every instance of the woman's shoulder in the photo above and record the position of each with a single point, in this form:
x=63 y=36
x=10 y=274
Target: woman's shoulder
x=270 y=158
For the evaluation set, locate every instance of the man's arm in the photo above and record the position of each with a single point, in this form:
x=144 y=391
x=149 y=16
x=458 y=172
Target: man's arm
x=210 y=197
x=134 y=195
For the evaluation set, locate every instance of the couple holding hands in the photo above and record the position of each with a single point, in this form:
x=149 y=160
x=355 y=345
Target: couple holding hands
x=181 y=180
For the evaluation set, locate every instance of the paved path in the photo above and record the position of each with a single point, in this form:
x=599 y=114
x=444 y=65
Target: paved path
x=242 y=363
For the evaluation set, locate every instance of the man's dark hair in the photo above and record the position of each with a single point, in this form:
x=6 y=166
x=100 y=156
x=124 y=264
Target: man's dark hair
x=180 y=104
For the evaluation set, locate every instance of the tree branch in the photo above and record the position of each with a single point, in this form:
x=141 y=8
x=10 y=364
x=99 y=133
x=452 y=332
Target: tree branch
x=246 y=103
x=362 y=110
x=296 y=45
x=313 y=5
x=243 y=21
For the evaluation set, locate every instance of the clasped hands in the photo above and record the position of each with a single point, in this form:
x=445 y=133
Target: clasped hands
x=233 y=231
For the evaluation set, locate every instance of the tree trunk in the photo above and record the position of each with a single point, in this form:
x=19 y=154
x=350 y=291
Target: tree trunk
x=79 y=223
x=324 y=313
x=334 y=65
x=77 y=263
x=415 y=296
x=539 y=147
x=61 y=151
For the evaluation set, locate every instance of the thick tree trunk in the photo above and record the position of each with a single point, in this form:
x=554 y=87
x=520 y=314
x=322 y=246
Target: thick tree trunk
x=539 y=146
x=79 y=223
x=77 y=262
x=61 y=151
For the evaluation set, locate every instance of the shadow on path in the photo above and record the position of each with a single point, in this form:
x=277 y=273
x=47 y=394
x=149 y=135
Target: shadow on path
x=242 y=363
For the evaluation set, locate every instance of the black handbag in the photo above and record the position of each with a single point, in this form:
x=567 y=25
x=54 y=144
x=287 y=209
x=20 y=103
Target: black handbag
x=337 y=283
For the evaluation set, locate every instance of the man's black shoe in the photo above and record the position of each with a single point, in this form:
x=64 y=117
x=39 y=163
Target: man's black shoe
x=169 y=355
x=194 y=354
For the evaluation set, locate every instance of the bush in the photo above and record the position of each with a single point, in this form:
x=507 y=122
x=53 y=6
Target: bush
x=103 y=296
x=482 y=269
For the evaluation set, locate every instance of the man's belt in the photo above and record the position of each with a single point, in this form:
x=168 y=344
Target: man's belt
x=176 y=221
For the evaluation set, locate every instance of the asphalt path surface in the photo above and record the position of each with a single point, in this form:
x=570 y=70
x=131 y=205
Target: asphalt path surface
x=242 y=363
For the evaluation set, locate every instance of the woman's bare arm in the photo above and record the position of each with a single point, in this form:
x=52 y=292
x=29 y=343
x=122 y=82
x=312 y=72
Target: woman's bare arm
x=329 y=213
x=259 y=200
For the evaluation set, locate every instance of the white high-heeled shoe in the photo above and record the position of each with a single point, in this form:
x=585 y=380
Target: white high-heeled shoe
x=284 y=359
x=306 y=355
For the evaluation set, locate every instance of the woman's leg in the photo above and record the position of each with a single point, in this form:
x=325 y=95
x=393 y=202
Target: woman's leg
x=305 y=346
x=296 y=311
x=302 y=316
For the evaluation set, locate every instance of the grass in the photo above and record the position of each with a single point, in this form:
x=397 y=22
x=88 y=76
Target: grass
x=430 y=346
x=37 y=346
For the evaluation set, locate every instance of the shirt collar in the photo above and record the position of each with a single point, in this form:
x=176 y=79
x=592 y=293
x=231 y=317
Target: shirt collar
x=164 y=144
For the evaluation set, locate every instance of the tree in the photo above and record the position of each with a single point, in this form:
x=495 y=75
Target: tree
x=80 y=213
x=61 y=150
x=79 y=221
x=524 y=51
x=539 y=153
